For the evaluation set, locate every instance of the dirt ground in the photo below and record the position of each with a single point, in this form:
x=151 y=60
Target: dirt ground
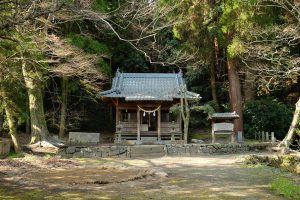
x=206 y=177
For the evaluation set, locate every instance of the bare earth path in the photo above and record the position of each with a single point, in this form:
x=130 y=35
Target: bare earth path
x=207 y=177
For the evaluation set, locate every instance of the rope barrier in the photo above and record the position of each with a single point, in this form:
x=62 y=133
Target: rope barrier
x=149 y=111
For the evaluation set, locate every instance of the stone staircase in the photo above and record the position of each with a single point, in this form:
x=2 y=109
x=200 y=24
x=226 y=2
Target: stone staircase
x=147 y=151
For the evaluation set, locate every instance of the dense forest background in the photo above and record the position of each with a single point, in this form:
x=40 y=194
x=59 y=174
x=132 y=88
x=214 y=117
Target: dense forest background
x=55 y=56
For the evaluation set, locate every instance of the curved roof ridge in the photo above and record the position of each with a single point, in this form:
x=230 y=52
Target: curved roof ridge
x=147 y=86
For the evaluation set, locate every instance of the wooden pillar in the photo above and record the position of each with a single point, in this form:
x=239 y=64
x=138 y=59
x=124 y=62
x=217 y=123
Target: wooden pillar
x=118 y=128
x=273 y=139
x=117 y=116
x=213 y=133
x=158 y=124
x=267 y=137
x=138 y=117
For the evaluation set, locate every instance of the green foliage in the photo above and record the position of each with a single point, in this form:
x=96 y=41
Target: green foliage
x=12 y=154
x=200 y=113
x=236 y=47
x=88 y=44
x=267 y=114
x=197 y=82
x=127 y=59
x=7 y=47
x=92 y=46
x=176 y=33
x=207 y=109
x=175 y=109
x=105 y=5
x=286 y=187
x=105 y=67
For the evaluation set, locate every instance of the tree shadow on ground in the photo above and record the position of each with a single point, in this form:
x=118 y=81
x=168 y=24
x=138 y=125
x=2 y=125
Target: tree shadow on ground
x=208 y=177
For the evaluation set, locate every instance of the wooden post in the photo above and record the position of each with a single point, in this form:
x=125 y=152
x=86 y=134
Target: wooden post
x=213 y=133
x=273 y=139
x=158 y=125
x=267 y=137
x=118 y=129
x=262 y=136
x=117 y=117
x=138 y=125
x=240 y=137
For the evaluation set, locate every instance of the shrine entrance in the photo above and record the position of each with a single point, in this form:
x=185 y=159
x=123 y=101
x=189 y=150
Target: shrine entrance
x=148 y=122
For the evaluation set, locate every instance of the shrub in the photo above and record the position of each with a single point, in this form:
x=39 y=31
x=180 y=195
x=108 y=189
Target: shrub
x=267 y=115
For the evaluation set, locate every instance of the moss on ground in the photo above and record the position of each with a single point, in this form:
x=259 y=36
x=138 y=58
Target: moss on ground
x=27 y=194
x=279 y=167
x=201 y=136
x=12 y=154
x=39 y=194
x=286 y=187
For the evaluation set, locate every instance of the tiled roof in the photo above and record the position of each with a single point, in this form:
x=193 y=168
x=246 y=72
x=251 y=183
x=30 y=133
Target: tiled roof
x=147 y=87
x=226 y=115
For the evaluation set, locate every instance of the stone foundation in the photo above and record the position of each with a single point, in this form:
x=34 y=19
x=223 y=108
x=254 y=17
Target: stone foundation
x=160 y=150
x=84 y=138
x=96 y=151
x=200 y=149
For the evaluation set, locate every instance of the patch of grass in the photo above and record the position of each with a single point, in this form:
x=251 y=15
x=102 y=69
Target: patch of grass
x=38 y=194
x=21 y=194
x=251 y=141
x=12 y=154
x=286 y=187
x=201 y=136
x=49 y=155
x=100 y=161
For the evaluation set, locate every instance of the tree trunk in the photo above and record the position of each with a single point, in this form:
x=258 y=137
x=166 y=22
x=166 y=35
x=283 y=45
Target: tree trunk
x=12 y=128
x=213 y=63
x=185 y=112
x=249 y=87
x=28 y=131
x=39 y=130
x=290 y=135
x=63 y=110
x=235 y=93
x=1 y=118
x=186 y=128
x=10 y=120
